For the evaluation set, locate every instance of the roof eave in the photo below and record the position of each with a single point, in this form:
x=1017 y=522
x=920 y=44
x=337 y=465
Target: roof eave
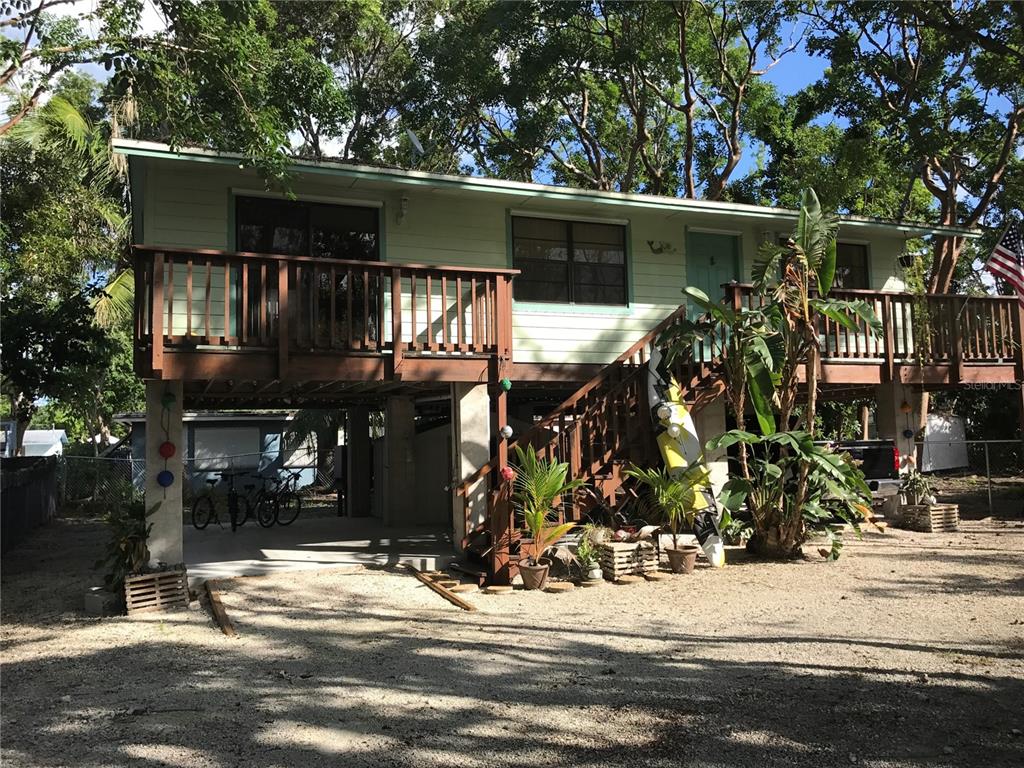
x=136 y=148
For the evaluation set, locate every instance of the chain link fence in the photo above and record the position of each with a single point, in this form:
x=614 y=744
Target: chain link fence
x=984 y=477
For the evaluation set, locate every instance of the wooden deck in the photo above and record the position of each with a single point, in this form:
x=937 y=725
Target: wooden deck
x=935 y=341
x=252 y=329
x=284 y=322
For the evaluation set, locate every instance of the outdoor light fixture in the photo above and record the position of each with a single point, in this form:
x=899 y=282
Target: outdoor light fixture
x=505 y=432
x=664 y=411
x=403 y=208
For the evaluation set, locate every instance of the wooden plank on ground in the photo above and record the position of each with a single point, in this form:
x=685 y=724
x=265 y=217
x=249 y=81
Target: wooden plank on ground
x=447 y=594
x=217 y=608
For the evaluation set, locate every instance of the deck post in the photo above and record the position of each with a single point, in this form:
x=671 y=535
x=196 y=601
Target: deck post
x=957 y=353
x=893 y=421
x=398 y=478
x=471 y=449
x=164 y=424
x=887 y=332
x=358 y=454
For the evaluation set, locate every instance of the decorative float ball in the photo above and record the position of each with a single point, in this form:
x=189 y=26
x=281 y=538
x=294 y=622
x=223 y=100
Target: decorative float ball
x=165 y=479
x=905 y=407
x=505 y=432
x=508 y=474
x=664 y=411
x=167 y=449
x=908 y=433
x=168 y=399
x=506 y=384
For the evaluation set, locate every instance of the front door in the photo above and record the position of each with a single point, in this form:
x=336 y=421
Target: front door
x=712 y=259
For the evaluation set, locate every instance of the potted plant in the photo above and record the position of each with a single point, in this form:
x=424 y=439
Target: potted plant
x=679 y=497
x=916 y=489
x=538 y=487
x=127 y=552
x=587 y=554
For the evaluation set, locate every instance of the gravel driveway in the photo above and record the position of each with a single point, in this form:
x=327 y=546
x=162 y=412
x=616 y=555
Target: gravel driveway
x=909 y=651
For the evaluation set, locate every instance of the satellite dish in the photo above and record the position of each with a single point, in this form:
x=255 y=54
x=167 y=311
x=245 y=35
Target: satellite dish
x=417 y=148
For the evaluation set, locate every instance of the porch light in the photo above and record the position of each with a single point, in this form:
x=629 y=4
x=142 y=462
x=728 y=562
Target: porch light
x=505 y=432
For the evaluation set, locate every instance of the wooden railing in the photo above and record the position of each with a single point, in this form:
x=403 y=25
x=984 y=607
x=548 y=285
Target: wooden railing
x=600 y=427
x=926 y=330
x=252 y=301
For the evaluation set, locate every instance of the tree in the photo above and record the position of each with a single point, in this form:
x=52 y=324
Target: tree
x=51 y=349
x=64 y=232
x=937 y=82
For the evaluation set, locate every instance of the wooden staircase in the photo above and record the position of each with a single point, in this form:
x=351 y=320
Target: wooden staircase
x=598 y=431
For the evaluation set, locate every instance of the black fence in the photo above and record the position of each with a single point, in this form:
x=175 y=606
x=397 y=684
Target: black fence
x=28 y=496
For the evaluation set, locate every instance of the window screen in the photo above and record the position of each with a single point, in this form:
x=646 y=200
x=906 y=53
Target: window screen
x=306 y=229
x=851 y=265
x=569 y=261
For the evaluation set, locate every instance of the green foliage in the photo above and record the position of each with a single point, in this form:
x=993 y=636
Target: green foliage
x=587 y=552
x=675 y=496
x=782 y=514
x=127 y=552
x=539 y=486
x=917 y=487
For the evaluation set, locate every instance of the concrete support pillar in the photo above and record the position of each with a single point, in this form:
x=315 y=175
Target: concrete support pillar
x=398 y=479
x=471 y=449
x=359 y=452
x=164 y=424
x=902 y=410
x=710 y=422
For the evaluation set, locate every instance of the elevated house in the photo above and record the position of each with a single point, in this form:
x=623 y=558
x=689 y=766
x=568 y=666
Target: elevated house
x=415 y=293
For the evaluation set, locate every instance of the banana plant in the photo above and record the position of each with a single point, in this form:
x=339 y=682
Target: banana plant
x=538 y=488
x=836 y=489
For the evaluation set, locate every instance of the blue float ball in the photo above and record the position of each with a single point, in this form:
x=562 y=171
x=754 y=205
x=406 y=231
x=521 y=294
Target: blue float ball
x=165 y=478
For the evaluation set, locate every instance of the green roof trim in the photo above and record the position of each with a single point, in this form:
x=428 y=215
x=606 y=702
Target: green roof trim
x=478 y=184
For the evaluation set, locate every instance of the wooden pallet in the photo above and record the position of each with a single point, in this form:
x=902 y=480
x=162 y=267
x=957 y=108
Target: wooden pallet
x=930 y=518
x=160 y=591
x=620 y=558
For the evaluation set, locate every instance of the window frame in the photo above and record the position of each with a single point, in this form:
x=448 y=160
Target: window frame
x=309 y=202
x=568 y=221
x=866 y=246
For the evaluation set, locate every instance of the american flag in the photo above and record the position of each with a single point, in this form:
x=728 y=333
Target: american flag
x=1007 y=259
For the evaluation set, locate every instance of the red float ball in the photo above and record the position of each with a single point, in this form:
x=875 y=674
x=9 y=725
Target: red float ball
x=167 y=449
x=507 y=473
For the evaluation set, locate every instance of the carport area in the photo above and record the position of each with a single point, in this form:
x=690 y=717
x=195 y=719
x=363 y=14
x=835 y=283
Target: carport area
x=311 y=543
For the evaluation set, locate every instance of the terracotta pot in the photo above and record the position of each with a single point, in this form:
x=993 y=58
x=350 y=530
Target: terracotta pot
x=534 y=576
x=682 y=560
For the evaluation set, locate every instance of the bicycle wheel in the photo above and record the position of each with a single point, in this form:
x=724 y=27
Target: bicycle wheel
x=244 y=510
x=203 y=511
x=288 y=507
x=265 y=513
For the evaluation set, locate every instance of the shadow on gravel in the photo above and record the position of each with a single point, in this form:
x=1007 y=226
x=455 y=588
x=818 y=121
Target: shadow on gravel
x=538 y=705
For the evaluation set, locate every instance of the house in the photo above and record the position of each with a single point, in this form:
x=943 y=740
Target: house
x=482 y=303
x=44 y=442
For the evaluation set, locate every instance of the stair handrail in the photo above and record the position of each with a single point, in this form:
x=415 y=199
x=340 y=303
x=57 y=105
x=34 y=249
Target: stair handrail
x=621 y=361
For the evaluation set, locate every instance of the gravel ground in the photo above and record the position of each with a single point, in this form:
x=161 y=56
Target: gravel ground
x=909 y=651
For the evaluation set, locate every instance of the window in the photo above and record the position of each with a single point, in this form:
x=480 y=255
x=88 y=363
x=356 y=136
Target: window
x=851 y=265
x=569 y=261
x=294 y=228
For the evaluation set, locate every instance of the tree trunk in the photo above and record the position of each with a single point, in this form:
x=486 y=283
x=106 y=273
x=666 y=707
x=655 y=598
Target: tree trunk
x=945 y=254
x=775 y=543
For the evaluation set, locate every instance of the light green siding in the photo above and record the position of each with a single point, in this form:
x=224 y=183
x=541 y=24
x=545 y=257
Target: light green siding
x=189 y=205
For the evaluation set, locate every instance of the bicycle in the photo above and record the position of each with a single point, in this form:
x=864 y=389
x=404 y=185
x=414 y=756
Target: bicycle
x=281 y=504
x=204 y=508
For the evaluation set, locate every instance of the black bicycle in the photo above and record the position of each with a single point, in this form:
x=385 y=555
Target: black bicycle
x=205 y=507
x=279 y=503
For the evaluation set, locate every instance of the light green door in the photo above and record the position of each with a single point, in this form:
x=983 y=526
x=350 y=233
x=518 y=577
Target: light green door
x=711 y=260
